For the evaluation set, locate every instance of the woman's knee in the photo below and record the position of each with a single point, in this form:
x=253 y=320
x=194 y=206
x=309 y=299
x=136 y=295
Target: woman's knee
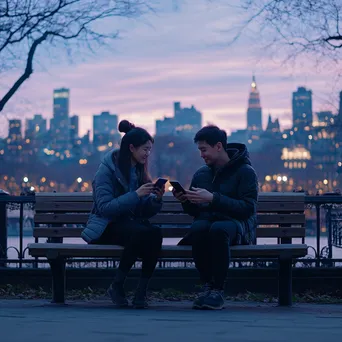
x=153 y=233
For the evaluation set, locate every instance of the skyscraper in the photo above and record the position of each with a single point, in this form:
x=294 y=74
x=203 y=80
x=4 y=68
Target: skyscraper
x=14 y=140
x=187 y=120
x=254 y=111
x=73 y=130
x=35 y=126
x=340 y=107
x=14 y=130
x=105 y=130
x=302 y=107
x=60 y=122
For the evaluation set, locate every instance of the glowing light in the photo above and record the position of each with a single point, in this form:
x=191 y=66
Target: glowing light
x=25 y=179
x=79 y=180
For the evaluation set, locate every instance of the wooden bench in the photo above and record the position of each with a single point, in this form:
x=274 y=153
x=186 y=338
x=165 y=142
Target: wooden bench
x=280 y=216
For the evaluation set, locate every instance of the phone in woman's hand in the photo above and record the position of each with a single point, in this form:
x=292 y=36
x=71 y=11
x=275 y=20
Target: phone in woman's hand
x=160 y=183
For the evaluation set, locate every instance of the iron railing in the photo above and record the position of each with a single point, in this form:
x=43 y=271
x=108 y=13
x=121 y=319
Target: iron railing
x=323 y=214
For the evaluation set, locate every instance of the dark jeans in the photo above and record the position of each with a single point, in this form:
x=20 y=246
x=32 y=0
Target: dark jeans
x=211 y=243
x=139 y=239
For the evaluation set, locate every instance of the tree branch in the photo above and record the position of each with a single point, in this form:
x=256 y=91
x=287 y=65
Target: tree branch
x=27 y=73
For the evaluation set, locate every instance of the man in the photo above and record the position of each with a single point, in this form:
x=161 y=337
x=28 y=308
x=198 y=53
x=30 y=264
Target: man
x=223 y=199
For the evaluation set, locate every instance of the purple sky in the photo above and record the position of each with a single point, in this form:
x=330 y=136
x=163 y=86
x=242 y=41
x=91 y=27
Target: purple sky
x=177 y=55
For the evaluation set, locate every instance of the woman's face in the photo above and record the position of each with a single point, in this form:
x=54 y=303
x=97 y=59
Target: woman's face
x=141 y=153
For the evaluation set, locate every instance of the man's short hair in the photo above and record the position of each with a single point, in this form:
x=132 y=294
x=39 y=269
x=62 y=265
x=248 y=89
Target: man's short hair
x=212 y=135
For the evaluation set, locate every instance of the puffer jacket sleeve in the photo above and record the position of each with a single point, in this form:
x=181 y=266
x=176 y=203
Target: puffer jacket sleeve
x=151 y=207
x=108 y=205
x=245 y=206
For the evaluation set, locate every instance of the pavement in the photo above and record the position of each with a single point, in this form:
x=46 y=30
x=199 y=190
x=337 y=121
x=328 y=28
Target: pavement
x=100 y=321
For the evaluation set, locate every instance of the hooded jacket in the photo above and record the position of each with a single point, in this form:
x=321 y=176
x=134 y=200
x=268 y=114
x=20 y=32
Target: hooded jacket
x=113 y=201
x=235 y=189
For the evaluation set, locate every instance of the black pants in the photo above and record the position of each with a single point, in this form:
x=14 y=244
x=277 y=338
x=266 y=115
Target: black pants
x=211 y=243
x=139 y=239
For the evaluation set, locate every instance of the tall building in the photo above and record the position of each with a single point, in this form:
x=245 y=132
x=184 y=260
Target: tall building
x=35 y=126
x=302 y=107
x=166 y=126
x=254 y=111
x=73 y=128
x=105 y=130
x=14 y=130
x=187 y=120
x=14 y=140
x=60 y=122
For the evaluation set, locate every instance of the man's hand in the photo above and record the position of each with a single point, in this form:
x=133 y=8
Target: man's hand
x=198 y=195
x=159 y=192
x=180 y=196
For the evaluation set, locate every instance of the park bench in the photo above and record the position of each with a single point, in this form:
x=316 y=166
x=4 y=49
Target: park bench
x=280 y=216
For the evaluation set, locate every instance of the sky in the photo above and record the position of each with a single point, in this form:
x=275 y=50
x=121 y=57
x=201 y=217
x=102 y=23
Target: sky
x=181 y=53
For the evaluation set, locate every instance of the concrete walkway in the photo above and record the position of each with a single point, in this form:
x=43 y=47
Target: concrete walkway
x=97 y=321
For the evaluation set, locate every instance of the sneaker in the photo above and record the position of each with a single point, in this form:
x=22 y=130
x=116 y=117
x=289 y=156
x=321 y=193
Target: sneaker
x=117 y=294
x=198 y=302
x=214 y=301
x=140 y=300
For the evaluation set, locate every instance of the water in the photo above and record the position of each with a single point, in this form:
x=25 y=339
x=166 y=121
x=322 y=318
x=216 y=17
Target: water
x=310 y=241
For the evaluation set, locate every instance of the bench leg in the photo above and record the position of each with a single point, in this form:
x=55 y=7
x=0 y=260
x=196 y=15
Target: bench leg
x=58 y=279
x=285 y=282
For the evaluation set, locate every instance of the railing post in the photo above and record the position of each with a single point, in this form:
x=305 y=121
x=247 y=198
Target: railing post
x=3 y=234
x=21 y=235
x=318 y=233
x=329 y=232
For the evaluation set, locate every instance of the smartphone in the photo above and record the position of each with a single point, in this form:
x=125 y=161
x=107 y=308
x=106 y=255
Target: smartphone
x=177 y=187
x=160 y=182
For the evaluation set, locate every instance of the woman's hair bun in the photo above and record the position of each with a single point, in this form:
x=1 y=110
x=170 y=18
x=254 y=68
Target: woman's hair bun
x=125 y=126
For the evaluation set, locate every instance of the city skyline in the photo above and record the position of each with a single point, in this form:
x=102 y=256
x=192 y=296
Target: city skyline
x=151 y=67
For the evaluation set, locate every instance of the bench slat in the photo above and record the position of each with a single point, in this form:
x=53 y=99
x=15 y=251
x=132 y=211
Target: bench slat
x=87 y=196
x=164 y=219
x=54 y=206
x=53 y=250
x=269 y=232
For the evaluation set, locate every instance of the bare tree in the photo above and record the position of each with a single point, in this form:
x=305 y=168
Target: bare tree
x=311 y=27
x=26 y=25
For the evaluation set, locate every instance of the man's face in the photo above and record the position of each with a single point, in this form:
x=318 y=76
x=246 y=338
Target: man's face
x=210 y=154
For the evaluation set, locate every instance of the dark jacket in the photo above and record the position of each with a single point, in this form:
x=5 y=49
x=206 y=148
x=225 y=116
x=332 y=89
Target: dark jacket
x=113 y=202
x=235 y=188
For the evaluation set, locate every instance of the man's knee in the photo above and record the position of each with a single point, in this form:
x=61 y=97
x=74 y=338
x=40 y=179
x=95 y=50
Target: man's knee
x=200 y=227
x=223 y=228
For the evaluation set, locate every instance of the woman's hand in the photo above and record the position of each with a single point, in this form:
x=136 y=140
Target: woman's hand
x=145 y=189
x=159 y=192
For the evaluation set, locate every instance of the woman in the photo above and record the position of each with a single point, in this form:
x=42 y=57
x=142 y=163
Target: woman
x=124 y=200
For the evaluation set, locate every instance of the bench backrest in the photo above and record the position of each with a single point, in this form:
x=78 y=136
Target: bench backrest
x=280 y=215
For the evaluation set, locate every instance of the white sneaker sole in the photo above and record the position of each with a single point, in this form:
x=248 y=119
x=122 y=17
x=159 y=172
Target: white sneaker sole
x=210 y=307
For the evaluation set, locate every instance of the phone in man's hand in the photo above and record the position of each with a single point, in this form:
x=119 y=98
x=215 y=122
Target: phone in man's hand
x=176 y=185
x=160 y=182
